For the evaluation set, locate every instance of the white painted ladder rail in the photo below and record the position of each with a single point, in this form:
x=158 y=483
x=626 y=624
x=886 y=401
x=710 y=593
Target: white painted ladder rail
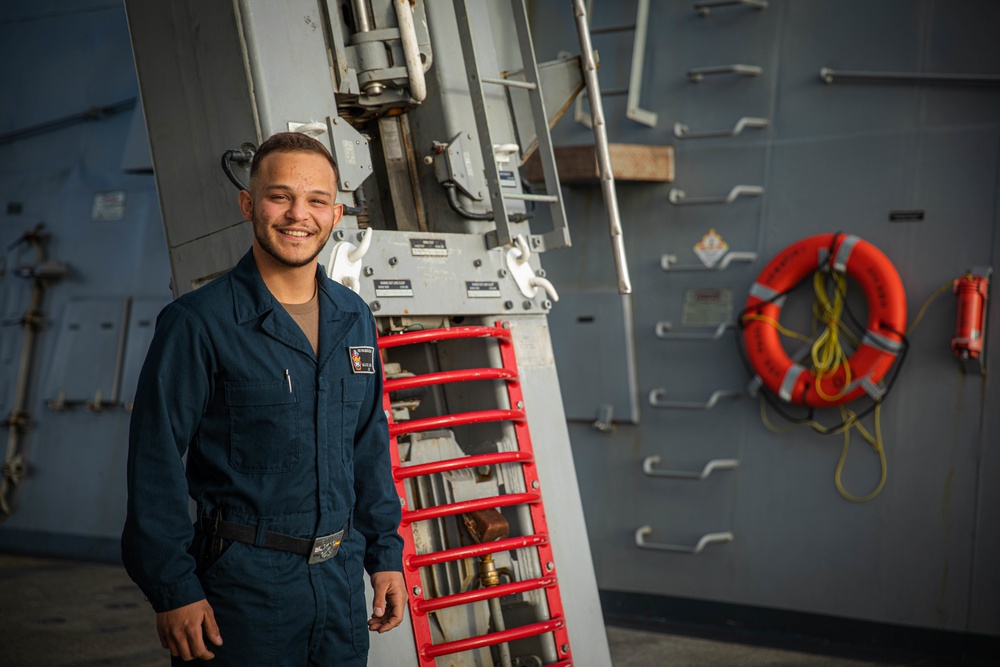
x=601 y=146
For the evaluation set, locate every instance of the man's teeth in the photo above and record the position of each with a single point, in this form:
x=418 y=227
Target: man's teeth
x=289 y=232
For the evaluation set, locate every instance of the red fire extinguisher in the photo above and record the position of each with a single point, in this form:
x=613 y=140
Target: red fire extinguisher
x=972 y=290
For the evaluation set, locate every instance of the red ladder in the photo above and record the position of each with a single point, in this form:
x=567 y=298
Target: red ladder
x=420 y=605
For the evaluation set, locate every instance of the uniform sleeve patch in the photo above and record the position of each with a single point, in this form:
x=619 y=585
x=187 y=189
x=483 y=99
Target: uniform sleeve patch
x=362 y=359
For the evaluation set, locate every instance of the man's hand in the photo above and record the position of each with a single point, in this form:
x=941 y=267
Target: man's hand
x=183 y=630
x=390 y=598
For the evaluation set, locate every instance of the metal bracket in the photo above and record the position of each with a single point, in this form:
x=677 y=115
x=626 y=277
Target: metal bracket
x=715 y=464
x=829 y=75
x=453 y=165
x=705 y=7
x=669 y=262
x=699 y=73
x=657 y=401
x=663 y=332
x=604 y=423
x=632 y=109
x=682 y=131
x=351 y=150
x=643 y=532
x=678 y=197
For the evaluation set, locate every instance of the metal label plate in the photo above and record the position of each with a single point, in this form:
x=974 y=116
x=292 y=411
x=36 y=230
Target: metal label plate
x=393 y=287
x=482 y=289
x=424 y=247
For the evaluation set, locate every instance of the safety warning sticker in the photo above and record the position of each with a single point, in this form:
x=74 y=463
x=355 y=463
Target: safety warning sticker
x=711 y=248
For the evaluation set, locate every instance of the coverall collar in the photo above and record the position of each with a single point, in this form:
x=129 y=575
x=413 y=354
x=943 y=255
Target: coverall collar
x=252 y=300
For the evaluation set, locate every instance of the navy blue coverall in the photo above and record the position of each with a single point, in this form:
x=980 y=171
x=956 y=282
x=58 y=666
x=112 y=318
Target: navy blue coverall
x=279 y=440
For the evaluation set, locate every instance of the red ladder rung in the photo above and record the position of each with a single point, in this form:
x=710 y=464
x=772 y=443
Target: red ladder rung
x=436 y=650
x=412 y=516
x=458 y=419
x=421 y=469
x=444 y=377
x=437 y=557
x=478 y=595
x=435 y=335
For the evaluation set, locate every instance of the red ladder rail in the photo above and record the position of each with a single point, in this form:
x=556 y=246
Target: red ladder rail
x=421 y=606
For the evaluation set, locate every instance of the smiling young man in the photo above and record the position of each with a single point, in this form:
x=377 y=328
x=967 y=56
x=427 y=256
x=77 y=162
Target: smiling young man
x=269 y=380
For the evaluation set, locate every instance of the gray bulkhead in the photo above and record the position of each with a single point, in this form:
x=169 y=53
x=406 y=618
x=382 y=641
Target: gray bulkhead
x=832 y=157
x=76 y=161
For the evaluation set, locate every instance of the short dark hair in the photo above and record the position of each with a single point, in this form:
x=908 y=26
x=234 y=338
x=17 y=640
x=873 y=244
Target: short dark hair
x=291 y=142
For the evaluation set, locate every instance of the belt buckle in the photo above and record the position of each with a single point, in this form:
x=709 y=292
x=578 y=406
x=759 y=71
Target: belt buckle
x=325 y=548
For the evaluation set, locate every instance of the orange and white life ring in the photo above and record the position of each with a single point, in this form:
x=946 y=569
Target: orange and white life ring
x=882 y=341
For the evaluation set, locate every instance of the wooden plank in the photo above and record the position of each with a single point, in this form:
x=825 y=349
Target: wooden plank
x=629 y=162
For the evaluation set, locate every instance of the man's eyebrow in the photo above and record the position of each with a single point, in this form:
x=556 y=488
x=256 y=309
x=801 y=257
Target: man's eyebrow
x=287 y=188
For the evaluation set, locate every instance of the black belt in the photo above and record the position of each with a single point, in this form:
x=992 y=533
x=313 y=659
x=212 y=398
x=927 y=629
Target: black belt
x=318 y=549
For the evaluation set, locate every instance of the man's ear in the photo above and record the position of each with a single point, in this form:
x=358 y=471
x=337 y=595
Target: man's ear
x=338 y=213
x=246 y=205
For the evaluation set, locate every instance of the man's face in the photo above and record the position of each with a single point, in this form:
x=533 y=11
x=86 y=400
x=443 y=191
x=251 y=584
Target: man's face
x=292 y=206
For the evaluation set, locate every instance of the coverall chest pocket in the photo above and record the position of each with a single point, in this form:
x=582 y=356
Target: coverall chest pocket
x=263 y=427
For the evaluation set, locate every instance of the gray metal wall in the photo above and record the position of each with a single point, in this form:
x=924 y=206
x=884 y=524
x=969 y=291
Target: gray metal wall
x=835 y=157
x=58 y=60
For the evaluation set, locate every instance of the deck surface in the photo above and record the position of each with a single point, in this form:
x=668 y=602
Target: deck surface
x=59 y=613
